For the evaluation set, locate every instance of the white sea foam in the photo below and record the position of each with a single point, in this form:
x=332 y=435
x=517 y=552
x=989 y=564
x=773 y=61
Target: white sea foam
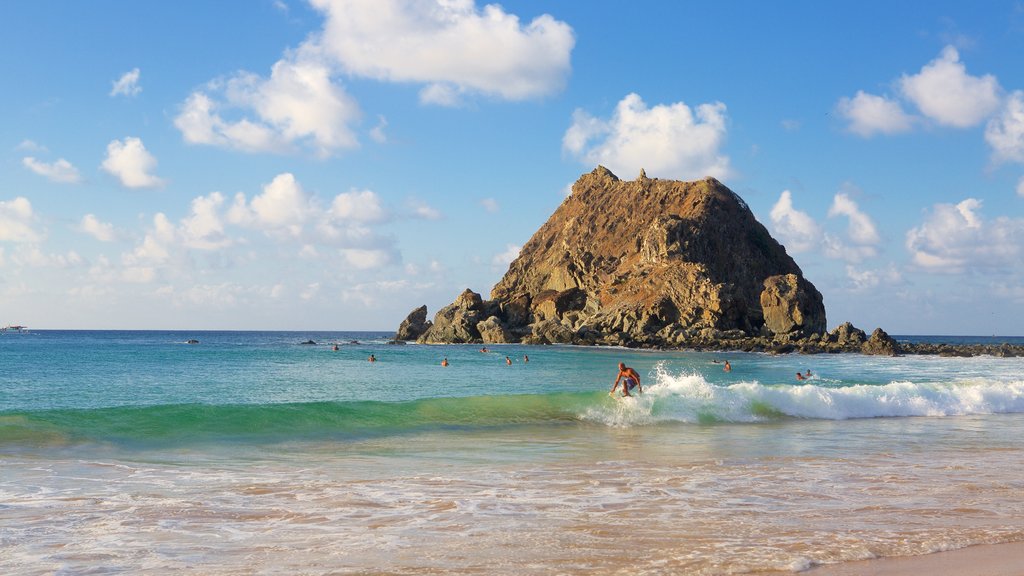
x=690 y=397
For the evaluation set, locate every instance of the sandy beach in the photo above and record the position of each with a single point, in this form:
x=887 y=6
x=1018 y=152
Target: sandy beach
x=984 y=560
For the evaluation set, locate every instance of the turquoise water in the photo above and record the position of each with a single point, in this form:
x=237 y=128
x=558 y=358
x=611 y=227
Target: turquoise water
x=250 y=452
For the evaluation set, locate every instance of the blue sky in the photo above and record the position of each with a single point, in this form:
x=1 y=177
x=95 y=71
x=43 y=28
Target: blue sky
x=332 y=164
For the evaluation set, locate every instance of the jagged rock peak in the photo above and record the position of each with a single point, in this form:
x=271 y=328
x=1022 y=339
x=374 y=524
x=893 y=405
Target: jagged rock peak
x=649 y=264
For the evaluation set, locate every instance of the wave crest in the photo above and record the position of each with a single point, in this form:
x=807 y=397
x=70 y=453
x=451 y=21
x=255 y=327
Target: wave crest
x=689 y=397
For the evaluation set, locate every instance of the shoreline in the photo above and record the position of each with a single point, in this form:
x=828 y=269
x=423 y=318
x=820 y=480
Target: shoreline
x=1006 y=559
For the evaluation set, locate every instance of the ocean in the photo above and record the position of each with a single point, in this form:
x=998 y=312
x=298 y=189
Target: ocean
x=130 y=452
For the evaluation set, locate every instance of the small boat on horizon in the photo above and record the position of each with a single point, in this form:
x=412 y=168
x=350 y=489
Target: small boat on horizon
x=14 y=328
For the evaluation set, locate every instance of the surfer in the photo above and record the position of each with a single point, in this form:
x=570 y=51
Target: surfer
x=632 y=380
x=800 y=376
x=808 y=375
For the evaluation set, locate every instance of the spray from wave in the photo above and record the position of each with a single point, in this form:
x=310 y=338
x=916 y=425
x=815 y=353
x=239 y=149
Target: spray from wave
x=689 y=397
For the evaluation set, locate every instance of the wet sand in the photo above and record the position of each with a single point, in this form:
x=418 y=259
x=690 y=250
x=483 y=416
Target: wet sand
x=984 y=560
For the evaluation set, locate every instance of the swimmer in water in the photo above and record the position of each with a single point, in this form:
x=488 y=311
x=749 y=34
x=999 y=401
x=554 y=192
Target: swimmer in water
x=444 y=362
x=727 y=367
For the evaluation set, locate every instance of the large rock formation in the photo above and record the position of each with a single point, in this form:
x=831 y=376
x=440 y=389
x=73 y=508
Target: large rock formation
x=647 y=262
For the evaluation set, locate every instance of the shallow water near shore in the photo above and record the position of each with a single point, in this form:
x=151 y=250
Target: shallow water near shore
x=250 y=453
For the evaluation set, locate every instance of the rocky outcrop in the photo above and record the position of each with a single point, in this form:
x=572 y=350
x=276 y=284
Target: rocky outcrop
x=414 y=325
x=880 y=344
x=792 y=306
x=646 y=262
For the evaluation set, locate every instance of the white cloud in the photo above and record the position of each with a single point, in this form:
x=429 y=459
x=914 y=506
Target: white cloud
x=364 y=259
x=490 y=205
x=30 y=255
x=102 y=231
x=358 y=206
x=310 y=291
x=283 y=207
x=16 y=219
x=30 y=146
x=297 y=105
x=946 y=93
x=799 y=232
x=956 y=238
x=131 y=163
x=60 y=171
x=503 y=259
x=861 y=229
x=377 y=133
x=666 y=140
x=867 y=279
x=156 y=245
x=425 y=211
x=869 y=115
x=127 y=84
x=203 y=228
x=1020 y=187
x=451 y=46
x=1005 y=133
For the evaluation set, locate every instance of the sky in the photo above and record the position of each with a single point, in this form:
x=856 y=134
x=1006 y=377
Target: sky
x=334 y=164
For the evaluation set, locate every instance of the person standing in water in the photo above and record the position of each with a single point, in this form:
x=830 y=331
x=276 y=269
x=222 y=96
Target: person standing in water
x=727 y=367
x=444 y=362
x=632 y=380
x=508 y=360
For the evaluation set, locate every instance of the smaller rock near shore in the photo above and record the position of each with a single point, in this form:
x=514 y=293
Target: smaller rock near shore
x=414 y=325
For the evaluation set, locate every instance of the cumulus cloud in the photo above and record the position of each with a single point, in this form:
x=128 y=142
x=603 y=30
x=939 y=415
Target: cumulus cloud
x=131 y=164
x=203 y=228
x=1005 y=132
x=127 y=84
x=799 y=232
x=450 y=46
x=282 y=207
x=60 y=171
x=861 y=280
x=298 y=105
x=102 y=231
x=16 y=220
x=869 y=115
x=861 y=229
x=672 y=140
x=956 y=238
x=1020 y=187
x=358 y=206
x=946 y=93
x=862 y=237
